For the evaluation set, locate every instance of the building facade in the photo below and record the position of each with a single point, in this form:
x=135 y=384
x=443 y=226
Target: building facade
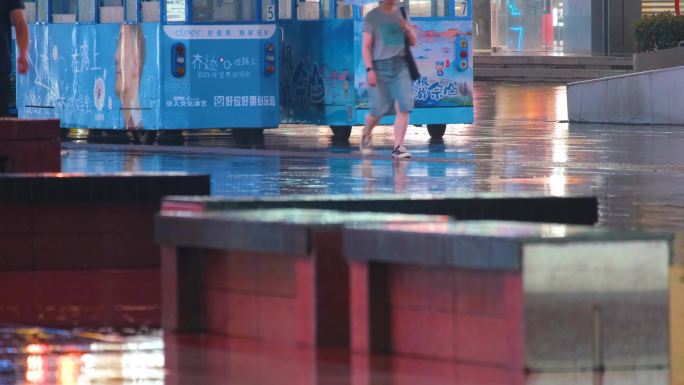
x=580 y=27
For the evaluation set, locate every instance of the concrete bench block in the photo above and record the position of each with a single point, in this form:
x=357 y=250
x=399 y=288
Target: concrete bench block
x=62 y=225
x=481 y=326
x=677 y=324
x=540 y=297
x=268 y=275
x=85 y=222
x=518 y=207
x=645 y=97
x=117 y=298
x=29 y=145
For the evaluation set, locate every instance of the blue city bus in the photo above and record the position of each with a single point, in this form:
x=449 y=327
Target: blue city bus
x=323 y=77
x=144 y=66
x=141 y=66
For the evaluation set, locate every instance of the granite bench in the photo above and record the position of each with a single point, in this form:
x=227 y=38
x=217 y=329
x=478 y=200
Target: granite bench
x=30 y=145
x=270 y=275
x=71 y=243
x=581 y=210
x=513 y=295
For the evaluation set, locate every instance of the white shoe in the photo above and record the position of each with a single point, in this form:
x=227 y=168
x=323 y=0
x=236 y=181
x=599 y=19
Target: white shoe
x=400 y=153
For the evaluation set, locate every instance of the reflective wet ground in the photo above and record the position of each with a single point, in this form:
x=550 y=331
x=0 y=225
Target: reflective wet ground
x=520 y=142
x=46 y=356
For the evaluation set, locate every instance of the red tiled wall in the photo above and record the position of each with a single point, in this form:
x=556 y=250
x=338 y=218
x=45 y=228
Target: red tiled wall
x=77 y=236
x=260 y=296
x=77 y=298
x=30 y=145
x=466 y=316
x=31 y=155
x=65 y=265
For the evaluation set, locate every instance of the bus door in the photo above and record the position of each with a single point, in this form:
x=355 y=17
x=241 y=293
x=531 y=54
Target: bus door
x=317 y=62
x=444 y=92
x=219 y=63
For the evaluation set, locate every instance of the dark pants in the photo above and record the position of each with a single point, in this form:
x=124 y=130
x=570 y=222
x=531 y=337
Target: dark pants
x=5 y=93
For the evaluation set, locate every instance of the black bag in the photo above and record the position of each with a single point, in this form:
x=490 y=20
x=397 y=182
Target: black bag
x=410 y=61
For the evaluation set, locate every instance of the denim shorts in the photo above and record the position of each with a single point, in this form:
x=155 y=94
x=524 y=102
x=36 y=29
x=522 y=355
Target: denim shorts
x=394 y=85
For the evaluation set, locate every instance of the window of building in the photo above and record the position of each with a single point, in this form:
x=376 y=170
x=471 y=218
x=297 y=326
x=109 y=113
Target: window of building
x=548 y=26
x=224 y=10
x=657 y=6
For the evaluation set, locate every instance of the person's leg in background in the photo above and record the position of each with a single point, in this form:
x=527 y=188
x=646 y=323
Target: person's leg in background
x=367 y=134
x=400 y=125
x=380 y=102
x=401 y=90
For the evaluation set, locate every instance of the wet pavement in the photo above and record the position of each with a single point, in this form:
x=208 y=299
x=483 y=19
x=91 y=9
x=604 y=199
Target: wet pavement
x=47 y=356
x=521 y=142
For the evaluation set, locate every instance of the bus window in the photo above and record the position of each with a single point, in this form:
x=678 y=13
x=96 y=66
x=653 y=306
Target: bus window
x=285 y=9
x=427 y=8
x=63 y=11
x=30 y=11
x=224 y=10
x=112 y=11
x=342 y=10
x=308 y=10
x=175 y=10
x=86 y=11
x=268 y=10
x=150 y=11
x=325 y=9
x=42 y=11
x=461 y=8
x=130 y=11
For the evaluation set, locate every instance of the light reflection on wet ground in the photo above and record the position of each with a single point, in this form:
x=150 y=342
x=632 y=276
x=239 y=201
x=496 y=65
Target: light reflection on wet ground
x=519 y=143
x=51 y=357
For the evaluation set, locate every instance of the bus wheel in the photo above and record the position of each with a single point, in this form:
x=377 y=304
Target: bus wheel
x=247 y=136
x=144 y=136
x=247 y=133
x=170 y=136
x=341 y=132
x=436 y=131
x=95 y=134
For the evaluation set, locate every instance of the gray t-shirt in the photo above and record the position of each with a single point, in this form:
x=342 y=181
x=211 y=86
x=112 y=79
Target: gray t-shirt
x=388 y=37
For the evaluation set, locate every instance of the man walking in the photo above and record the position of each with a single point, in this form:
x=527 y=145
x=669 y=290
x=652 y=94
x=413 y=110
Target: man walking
x=385 y=34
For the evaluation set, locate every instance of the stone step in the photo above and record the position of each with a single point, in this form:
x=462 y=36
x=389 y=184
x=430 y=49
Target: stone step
x=557 y=69
x=601 y=62
x=556 y=75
